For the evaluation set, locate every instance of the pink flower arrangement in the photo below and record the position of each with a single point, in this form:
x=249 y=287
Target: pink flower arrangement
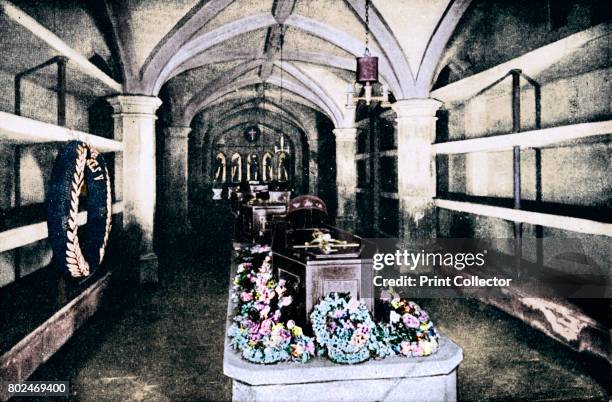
x=257 y=330
x=410 y=331
x=410 y=321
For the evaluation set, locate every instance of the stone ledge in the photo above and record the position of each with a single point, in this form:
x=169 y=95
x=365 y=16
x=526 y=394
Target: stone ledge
x=444 y=362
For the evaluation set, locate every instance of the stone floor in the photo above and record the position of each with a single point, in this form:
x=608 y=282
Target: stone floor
x=166 y=343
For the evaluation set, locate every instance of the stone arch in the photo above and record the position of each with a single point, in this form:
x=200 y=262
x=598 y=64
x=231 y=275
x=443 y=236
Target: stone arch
x=153 y=78
x=199 y=104
x=437 y=42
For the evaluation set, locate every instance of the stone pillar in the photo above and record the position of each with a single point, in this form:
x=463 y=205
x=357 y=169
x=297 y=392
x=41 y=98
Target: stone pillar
x=196 y=169
x=175 y=181
x=416 y=131
x=313 y=165
x=346 y=176
x=134 y=122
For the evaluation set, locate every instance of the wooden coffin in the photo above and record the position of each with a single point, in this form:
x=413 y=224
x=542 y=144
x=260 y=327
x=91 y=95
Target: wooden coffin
x=256 y=219
x=312 y=274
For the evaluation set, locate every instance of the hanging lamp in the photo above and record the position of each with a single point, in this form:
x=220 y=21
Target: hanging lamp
x=366 y=73
x=367 y=65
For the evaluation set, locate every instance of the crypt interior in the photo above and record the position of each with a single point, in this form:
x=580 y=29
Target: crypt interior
x=487 y=119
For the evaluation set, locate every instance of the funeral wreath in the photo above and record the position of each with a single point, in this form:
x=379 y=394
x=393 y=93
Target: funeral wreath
x=345 y=330
x=258 y=331
x=410 y=331
x=79 y=167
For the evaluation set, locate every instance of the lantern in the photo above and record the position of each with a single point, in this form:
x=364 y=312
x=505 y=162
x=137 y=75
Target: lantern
x=367 y=69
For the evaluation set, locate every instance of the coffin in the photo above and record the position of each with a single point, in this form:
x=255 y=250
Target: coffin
x=257 y=219
x=311 y=274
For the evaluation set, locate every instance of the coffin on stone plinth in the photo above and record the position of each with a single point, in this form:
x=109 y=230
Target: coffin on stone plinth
x=393 y=379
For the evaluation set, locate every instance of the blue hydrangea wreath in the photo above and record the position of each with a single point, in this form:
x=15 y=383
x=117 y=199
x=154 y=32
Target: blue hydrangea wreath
x=345 y=330
x=78 y=165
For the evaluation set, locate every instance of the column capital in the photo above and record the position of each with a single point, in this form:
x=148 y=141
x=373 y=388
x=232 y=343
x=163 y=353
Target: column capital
x=177 y=131
x=139 y=105
x=345 y=134
x=416 y=107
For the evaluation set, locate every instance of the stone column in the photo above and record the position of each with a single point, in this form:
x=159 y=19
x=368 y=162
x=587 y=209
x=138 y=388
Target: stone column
x=416 y=131
x=313 y=165
x=175 y=181
x=346 y=176
x=134 y=122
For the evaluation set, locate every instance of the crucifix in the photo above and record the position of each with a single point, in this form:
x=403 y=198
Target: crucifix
x=252 y=133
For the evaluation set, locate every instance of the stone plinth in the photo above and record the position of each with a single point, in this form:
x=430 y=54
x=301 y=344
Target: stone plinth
x=431 y=378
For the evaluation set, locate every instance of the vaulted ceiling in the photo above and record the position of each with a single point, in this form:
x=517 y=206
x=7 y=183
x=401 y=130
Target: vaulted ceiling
x=205 y=58
x=212 y=56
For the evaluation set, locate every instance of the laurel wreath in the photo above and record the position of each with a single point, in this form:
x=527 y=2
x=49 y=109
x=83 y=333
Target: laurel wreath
x=75 y=260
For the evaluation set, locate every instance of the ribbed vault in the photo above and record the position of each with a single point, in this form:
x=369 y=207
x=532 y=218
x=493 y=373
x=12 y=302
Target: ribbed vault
x=241 y=39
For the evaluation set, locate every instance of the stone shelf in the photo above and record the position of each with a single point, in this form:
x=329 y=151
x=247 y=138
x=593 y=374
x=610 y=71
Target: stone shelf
x=531 y=63
x=18 y=363
x=24 y=235
x=431 y=378
x=20 y=31
x=527 y=139
x=22 y=130
x=534 y=218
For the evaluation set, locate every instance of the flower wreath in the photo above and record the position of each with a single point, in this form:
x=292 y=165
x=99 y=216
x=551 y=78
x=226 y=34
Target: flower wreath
x=410 y=331
x=257 y=330
x=79 y=165
x=345 y=330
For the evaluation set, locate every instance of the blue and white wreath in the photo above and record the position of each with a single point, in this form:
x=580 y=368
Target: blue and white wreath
x=345 y=331
x=79 y=166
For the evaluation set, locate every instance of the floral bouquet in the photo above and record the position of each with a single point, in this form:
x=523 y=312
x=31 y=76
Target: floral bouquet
x=345 y=330
x=246 y=253
x=257 y=331
x=243 y=281
x=410 y=331
x=260 y=248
